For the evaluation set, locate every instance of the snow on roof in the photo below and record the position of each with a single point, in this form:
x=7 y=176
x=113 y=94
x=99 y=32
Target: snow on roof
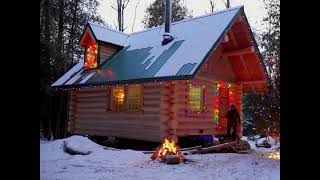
x=193 y=40
x=108 y=35
x=69 y=74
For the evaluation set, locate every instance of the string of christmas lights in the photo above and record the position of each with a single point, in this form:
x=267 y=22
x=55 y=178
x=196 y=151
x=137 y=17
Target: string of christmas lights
x=91 y=61
x=216 y=105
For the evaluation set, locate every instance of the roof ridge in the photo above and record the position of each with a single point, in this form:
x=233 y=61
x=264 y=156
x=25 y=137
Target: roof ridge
x=189 y=19
x=104 y=27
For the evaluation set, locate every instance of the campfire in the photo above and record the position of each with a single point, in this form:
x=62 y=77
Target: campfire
x=168 y=153
x=275 y=155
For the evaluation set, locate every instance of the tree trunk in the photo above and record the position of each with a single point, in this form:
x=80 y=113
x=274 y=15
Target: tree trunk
x=119 y=9
x=228 y=3
x=60 y=30
x=47 y=37
x=47 y=22
x=41 y=10
x=122 y=10
x=71 y=32
x=211 y=5
x=50 y=113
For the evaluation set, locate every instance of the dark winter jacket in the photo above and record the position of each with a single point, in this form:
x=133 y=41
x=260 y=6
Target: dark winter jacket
x=233 y=117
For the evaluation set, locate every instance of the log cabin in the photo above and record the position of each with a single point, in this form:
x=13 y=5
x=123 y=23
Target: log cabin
x=171 y=81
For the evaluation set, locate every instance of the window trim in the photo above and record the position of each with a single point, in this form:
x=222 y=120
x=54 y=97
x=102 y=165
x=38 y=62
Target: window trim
x=140 y=99
x=125 y=109
x=111 y=99
x=202 y=103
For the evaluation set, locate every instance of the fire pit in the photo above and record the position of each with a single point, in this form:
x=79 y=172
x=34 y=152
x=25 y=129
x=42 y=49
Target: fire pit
x=168 y=153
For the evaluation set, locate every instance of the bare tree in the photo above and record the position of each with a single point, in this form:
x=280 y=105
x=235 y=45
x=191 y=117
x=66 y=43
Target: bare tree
x=121 y=5
x=212 y=5
x=135 y=15
x=72 y=29
x=60 y=34
x=226 y=3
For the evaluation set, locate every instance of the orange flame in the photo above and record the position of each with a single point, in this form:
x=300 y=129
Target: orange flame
x=167 y=148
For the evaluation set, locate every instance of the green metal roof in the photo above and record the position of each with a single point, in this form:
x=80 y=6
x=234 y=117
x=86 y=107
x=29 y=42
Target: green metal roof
x=144 y=58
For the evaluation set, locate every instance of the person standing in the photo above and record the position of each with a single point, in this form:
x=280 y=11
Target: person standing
x=233 y=121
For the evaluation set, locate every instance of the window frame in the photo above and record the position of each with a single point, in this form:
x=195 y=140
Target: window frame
x=112 y=97
x=202 y=103
x=125 y=108
x=139 y=98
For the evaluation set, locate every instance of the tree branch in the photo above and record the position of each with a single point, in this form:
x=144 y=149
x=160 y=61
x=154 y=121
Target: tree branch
x=125 y=3
x=224 y=3
x=114 y=8
x=212 y=4
x=115 y=26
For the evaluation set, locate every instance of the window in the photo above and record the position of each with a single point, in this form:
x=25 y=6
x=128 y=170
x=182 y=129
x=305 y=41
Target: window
x=117 y=98
x=126 y=98
x=91 y=60
x=133 y=98
x=195 y=98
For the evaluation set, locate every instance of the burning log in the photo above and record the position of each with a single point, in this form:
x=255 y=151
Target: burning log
x=168 y=153
x=181 y=150
x=172 y=159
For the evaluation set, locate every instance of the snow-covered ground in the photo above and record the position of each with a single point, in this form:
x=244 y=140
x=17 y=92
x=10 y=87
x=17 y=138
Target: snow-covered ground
x=128 y=164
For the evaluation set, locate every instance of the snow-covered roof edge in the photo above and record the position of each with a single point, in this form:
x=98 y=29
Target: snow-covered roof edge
x=212 y=49
x=69 y=74
x=105 y=34
x=107 y=28
x=188 y=19
x=121 y=38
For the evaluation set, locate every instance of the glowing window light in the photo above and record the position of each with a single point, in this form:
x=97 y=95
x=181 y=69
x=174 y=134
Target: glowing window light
x=195 y=97
x=133 y=98
x=117 y=98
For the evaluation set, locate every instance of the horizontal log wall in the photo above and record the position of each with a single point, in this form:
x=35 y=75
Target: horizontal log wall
x=192 y=123
x=90 y=115
x=201 y=124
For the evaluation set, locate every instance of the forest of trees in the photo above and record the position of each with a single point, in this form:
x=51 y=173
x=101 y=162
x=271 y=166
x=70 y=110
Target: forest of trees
x=262 y=111
x=61 y=25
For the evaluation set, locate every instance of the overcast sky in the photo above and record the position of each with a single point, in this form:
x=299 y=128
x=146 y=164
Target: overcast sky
x=254 y=10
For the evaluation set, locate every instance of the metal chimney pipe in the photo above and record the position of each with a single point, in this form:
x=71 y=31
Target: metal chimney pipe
x=168 y=16
x=167 y=37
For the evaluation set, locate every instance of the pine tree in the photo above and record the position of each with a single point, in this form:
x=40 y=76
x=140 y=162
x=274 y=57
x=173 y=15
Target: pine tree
x=155 y=13
x=262 y=111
